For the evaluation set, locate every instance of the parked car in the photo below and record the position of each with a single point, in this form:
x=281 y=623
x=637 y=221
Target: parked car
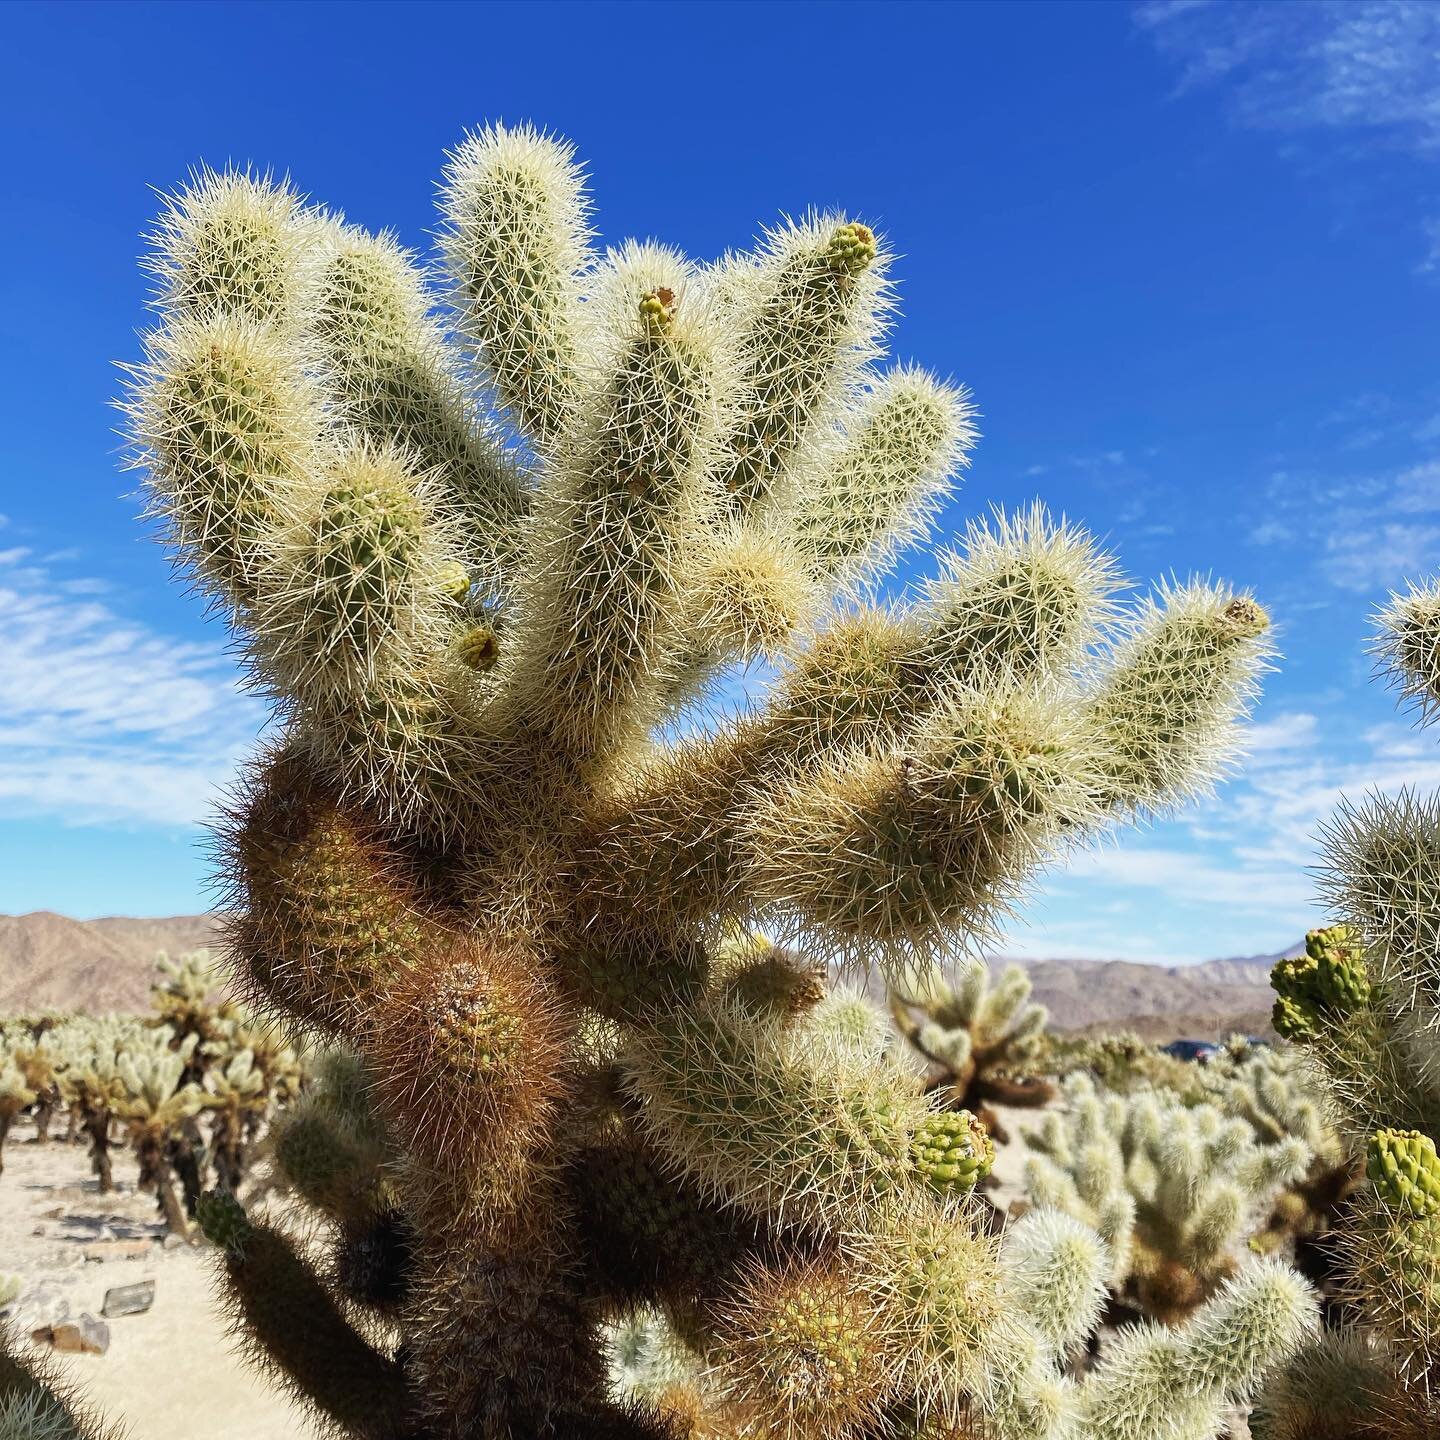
x=1201 y=1052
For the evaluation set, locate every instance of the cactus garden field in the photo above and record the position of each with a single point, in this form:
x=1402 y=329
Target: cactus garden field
x=652 y=721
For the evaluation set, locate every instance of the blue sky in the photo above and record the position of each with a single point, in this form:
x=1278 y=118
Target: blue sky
x=1187 y=256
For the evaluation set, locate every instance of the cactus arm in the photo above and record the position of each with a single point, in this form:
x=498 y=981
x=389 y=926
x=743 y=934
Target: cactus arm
x=516 y=245
x=228 y=427
x=808 y=309
x=231 y=244
x=290 y=1327
x=1408 y=644
x=1177 y=1384
x=389 y=369
x=728 y=1098
x=899 y=847
x=629 y=500
x=1166 y=709
x=884 y=481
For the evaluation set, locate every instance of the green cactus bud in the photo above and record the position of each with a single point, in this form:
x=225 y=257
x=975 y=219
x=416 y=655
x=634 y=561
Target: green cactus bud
x=657 y=310
x=478 y=646
x=1329 y=979
x=852 y=248
x=1404 y=1168
x=1293 y=1020
x=953 y=1151
x=1327 y=939
x=453 y=580
x=222 y=1220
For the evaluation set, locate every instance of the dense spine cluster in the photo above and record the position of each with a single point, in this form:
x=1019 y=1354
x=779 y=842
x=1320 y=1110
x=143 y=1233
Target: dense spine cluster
x=477 y=857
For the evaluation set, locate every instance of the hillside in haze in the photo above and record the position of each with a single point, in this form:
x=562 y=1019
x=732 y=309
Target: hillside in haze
x=49 y=961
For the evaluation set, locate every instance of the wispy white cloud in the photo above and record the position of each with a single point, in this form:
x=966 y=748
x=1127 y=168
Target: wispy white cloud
x=1361 y=72
x=1374 y=557
x=1323 y=64
x=103 y=719
x=1365 y=532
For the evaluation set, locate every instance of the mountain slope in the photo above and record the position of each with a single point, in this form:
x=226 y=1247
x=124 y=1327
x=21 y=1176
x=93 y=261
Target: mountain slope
x=49 y=961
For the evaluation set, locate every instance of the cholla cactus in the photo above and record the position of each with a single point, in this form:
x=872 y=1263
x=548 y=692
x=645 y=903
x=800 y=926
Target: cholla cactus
x=236 y=1093
x=1120 y=1061
x=1272 y=1091
x=1365 y=1004
x=40 y=1065
x=470 y=858
x=156 y=1107
x=1176 y=1191
x=980 y=1039
x=93 y=1082
x=186 y=1001
x=15 y=1096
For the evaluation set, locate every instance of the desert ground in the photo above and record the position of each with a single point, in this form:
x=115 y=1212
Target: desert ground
x=169 y=1373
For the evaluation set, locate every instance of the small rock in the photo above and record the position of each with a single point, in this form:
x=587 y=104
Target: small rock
x=38 y=1308
x=85 y=1336
x=172 y=1241
x=118 y=1250
x=128 y=1299
x=56 y=1213
x=40 y=1230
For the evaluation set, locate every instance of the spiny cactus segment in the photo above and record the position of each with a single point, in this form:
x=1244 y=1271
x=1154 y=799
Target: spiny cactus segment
x=1329 y=979
x=1405 y=1170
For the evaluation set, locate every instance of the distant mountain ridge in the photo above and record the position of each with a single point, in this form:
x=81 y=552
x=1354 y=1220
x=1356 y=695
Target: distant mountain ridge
x=49 y=961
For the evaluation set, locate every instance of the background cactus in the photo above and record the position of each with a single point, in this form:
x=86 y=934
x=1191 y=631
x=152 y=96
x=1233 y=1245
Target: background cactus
x=15 y=1095
x=1271 y=1090
x=982 y=1039
x=1178 y=1192
x=474 y=858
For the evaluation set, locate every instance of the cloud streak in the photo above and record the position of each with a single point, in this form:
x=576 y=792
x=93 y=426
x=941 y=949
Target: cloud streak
x=103 y=719
x=1370 y=65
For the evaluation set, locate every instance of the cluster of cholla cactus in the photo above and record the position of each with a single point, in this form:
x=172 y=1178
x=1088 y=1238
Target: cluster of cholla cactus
x=1364 y=1003
x=979 y=1039
x=1120 y=1061
x=489 y=583
x=1272 y=1091
x=187 y=1089
x=1176 y=1191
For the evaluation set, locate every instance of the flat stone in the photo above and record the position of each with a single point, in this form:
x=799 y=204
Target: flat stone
x=85 y=1336
x=57 y=1212
x=38 y=1307
x=118 y=1249
x=128 y=1299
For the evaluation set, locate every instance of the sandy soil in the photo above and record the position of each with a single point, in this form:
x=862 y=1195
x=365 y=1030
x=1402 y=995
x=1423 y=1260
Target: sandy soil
x=169 y=1373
